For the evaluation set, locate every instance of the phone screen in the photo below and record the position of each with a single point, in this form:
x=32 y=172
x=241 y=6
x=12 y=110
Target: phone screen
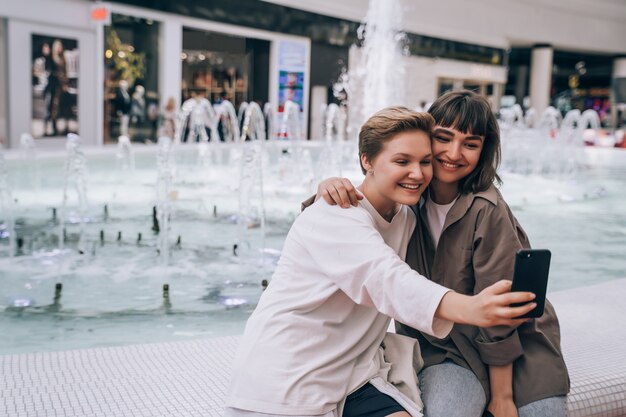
x=532 y=267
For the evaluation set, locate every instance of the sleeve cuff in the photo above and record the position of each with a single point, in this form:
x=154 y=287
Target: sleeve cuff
x=501 y=352
x=306 y=203
x=440 y=327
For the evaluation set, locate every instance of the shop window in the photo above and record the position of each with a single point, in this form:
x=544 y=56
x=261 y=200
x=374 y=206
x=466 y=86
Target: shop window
x=215 y=66
x=131 y=96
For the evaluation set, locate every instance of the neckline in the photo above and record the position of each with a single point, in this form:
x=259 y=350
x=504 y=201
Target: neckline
x=377 y=216
x=447 y=205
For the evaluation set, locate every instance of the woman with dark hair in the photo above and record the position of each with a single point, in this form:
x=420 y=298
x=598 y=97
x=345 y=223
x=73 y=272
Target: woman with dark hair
x=466 y=238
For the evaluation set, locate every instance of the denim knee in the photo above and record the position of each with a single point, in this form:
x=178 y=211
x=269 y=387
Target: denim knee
x=449 y=390
x=552 y=406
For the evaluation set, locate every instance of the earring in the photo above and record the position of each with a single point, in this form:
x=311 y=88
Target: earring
x=371 y=172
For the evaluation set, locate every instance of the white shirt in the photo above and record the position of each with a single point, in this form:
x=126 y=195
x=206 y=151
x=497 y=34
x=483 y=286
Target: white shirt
x=315 y=335
x=436 y=216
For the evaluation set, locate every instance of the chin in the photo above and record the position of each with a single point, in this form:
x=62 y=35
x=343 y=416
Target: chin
x=408 y=200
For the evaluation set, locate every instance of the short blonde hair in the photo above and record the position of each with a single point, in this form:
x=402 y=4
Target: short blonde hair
x=387 y=123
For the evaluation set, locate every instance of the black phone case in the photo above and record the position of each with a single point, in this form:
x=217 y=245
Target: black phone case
x=532 y=267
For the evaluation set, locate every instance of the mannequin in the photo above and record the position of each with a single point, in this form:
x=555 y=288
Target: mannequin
x=138 y=106
x=137 y=111
x=57 y=86
x=122 y=104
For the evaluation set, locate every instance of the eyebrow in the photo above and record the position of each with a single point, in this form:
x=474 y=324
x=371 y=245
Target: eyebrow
x=408 y=156
x=450 y=133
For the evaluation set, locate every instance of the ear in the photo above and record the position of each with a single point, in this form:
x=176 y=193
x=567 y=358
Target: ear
x=365 y=162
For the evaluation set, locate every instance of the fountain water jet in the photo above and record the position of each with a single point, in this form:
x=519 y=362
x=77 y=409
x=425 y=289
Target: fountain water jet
x=7 y=209
x=378 y=79
x=165 y=173
x=251 y=199
x=125 y=156
x=75 y=178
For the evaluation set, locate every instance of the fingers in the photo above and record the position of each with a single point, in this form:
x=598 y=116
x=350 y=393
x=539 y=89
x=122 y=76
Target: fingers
x=328 y=198
x=515 y=297
x=330 y=195
x=326 y=189
x=352 y=194
x=339 y=191
x=342 y=196
x=499 y=287
x=514 y=312
x=346 y=192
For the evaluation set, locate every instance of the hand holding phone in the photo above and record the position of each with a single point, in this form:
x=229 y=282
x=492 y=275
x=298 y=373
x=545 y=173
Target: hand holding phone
x=532 y=267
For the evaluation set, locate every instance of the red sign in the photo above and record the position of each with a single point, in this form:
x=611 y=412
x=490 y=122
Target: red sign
x=100 y=14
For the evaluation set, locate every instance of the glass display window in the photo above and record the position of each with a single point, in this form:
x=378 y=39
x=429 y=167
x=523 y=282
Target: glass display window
x=131 y=93
x=215 y=66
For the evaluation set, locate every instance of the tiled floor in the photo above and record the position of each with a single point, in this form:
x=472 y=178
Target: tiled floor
x=168 y=379
x=593 y=331
x=188 y=379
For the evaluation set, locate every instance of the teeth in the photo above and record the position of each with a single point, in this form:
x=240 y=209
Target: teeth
x=410 y=186
x=449 y=165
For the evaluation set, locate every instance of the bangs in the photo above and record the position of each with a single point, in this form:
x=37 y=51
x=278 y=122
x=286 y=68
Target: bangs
x=465 y=115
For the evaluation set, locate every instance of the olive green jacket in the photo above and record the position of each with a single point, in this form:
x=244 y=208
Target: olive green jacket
x=477 y=248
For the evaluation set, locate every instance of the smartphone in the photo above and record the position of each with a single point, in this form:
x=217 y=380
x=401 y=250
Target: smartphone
x=531 y=274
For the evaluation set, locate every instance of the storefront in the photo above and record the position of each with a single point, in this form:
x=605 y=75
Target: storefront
x=51 y=72
x=131 y=78
x=103 y=70
x=185 y=58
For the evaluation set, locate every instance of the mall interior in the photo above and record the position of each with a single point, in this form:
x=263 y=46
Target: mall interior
x=154 y=155
x=569 y=55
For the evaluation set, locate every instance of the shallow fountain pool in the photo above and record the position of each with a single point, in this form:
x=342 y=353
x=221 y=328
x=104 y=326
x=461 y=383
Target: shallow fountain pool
x=113 y=293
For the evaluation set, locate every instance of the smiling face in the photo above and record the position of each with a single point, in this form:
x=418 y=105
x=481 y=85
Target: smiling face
x=400 y=172
x=455 y=154
x=466 y=144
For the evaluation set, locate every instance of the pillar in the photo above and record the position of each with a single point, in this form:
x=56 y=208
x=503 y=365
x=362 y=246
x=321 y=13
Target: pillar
x=618 y=90
x=170 y=66
x=521 y=85
x=319 y=98
x=540 y=77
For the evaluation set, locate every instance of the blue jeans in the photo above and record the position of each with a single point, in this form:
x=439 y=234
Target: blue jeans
x=449 y=390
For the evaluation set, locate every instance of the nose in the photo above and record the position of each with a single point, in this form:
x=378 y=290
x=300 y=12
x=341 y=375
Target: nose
x=416 y=173
x=454 y=151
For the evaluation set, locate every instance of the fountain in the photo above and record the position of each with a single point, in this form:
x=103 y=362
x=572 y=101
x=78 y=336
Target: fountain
x=377 y=81
x=214 y=239
x=251 y=168
x=75 y=179
x=330 y=160
x=513 y=116
x=125 y=156
x=7 y=229
x=161 y=216
x=29 y=155
x=230 y=121
x=270 y=125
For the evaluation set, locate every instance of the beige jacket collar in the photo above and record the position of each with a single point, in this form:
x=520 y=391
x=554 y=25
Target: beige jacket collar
x=463 y=204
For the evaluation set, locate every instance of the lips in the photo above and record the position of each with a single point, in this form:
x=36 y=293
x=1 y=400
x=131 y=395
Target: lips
x=449 y=165
x=412 y=187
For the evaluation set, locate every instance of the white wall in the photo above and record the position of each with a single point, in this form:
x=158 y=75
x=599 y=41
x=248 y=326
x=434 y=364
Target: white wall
x=3 y=86
x=62 y=13
x=585 y=25
x=423 y=76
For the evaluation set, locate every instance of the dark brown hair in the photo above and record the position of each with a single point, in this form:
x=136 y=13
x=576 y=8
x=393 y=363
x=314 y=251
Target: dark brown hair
x=471 y=113
x=387 y=123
